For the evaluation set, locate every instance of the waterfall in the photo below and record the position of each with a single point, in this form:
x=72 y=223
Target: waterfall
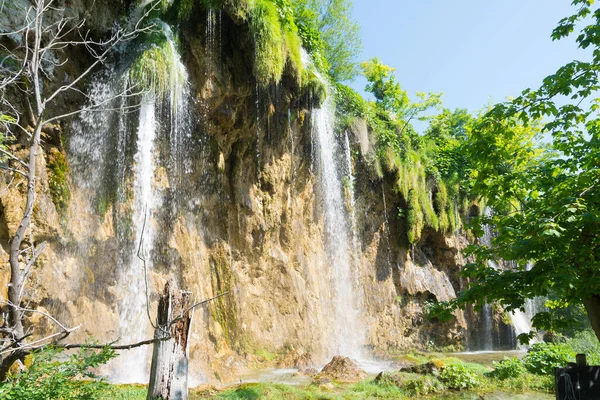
x=131 y=309
x=520 y=320
x=258 y=132
x=349 y=331
x=292 y=150
x=387 y=227
x=487 y=319
x=351 y=205
x=99 y=145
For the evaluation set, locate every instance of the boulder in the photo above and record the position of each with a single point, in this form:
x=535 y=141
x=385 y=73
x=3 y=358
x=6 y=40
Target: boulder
x=433 y=367
x=342 y=369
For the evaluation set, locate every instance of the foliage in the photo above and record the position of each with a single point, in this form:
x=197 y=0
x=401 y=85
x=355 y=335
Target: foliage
x=586 y=342
x=546 y=199
x=155 y=67
x=508 y=368
x=430 y=170
x=266 y=30
x=330 y=35
x=542 y=358
x=391 y=97
x=47 y=378
x=460 y=376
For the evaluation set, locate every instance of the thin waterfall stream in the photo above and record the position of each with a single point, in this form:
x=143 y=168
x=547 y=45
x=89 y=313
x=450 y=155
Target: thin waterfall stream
x=351 y=207
x=145 y=201
x=348 y=336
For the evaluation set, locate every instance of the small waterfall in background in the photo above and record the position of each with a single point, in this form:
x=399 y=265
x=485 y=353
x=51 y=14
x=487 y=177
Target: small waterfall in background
x=486 y=341
x=348 y=332
x=521 y=321
x=258 y=133
x=292 y=150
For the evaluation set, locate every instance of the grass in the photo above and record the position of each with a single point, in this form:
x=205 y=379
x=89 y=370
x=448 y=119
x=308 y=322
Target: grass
x=399 y=385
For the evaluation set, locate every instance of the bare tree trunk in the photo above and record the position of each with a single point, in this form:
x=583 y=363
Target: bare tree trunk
x=169 y=372
x=592 y=307
x=16 y=275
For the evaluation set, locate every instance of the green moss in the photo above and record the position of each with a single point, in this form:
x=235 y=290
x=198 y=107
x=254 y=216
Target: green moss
x=293 y=46
x=58 y=180
x=313 y=86
x=414 y=218
x=155 y=68
x=223 y=309
x=269 y=57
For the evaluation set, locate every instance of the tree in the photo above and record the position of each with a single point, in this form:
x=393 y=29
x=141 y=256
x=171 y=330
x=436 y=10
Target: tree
x=26 y=76
x=339 y=34
x=393 y=107
x=546 y=199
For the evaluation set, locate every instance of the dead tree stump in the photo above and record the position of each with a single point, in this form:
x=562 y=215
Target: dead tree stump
x=169 y=371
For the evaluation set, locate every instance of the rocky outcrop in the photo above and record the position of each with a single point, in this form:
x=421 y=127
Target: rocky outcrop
x=244 y=218
x=341 y=369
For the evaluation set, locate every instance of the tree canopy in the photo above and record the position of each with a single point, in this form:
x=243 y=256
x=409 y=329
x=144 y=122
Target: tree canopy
x=545 y=197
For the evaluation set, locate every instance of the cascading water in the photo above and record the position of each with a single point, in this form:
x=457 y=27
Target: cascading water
x=349 y=180
x=487 y=320
x=292 y=149
x=387 y=226
x=349 y=331
x=521 y=321
x=101 y=137
x=145 y=200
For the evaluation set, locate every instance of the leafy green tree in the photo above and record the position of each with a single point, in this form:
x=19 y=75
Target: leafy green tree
x=447 y=136
x=546 y=203
x=339 y=34
x=390 y=96
x=393 y=107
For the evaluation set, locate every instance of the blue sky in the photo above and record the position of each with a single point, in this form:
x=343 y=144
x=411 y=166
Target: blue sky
x=474 y=51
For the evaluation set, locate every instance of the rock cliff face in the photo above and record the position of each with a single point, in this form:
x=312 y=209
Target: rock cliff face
x=238 y=208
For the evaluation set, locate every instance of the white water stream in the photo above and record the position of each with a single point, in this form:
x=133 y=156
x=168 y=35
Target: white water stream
x=349 y=332
x=99 y=146
x=521 y=321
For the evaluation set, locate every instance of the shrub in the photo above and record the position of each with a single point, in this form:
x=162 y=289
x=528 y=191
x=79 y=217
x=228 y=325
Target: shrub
x=460 y=376
x=422 y=385
x=542 y=358
x=586 y=343
x=46 y=378
x=508 y=368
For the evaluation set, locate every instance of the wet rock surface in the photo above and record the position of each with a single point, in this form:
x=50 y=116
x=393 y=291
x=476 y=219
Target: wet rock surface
x=429 y=368
x=341 y=369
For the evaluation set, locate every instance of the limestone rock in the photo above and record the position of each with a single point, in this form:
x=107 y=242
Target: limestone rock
x=342 y=369
x=429 y=368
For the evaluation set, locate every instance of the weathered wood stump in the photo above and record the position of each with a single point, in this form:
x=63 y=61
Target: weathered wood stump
x=169 y=371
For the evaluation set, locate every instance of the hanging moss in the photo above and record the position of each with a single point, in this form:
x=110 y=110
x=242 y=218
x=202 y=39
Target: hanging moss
x=269 y=58
x=313 y=86
x=155 y=68
x=58 y=179
x=293 y=51
x=414 y=218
